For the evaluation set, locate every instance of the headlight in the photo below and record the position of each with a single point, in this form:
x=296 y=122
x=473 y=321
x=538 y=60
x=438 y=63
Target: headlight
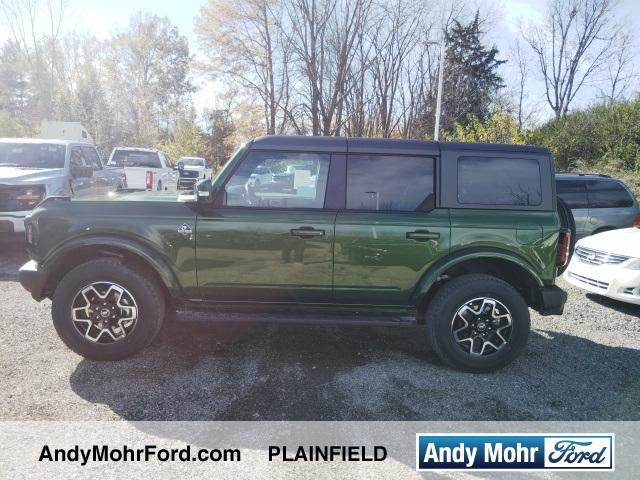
x=31 y=195
x=634 y=265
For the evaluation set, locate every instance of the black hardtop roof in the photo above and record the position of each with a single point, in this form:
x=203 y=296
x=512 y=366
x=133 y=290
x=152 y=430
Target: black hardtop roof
x=380 y=145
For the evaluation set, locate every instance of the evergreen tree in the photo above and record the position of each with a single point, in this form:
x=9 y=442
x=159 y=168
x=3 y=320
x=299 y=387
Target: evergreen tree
x=470 y=80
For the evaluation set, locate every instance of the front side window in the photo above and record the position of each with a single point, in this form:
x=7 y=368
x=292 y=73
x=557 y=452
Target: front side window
x=279 y=180
x=390 y=183
x=499 y=181
x=608 y=194
x=573 y=192
x=92 y=158
x=77 y=159
x=167 y=160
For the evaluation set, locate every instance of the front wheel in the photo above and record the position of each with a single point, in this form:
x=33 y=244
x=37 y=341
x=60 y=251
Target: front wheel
x=104 y=310
x=477 y=323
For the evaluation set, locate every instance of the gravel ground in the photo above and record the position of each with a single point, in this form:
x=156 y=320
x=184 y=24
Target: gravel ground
x=584 y=365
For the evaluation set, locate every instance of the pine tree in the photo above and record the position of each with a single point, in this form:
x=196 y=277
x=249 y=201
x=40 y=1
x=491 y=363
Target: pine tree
x=471 y=80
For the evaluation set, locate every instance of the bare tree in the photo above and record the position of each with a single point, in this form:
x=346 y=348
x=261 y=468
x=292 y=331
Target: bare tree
x=358 y=97
x=522 y=66
x=572 y=46
x=392 y=45
x=37 y=46
x=324 y=35
x=245 y=44
x=619 y=69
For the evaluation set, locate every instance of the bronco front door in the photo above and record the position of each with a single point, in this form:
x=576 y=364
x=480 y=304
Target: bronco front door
x=271 y=239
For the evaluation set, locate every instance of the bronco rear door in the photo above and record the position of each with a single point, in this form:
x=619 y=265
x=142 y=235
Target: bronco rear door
x=391 y=230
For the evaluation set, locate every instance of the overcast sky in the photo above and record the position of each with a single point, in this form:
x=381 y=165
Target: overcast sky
x=102 y=18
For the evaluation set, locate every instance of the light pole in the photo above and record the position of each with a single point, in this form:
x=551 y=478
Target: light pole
x=436 y=128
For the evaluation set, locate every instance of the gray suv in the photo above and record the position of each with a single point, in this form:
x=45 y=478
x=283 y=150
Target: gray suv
x=598 y=202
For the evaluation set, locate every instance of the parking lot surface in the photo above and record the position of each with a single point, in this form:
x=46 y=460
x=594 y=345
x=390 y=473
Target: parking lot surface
x=584 y=365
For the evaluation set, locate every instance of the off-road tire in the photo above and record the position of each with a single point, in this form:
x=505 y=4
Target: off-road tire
x=453 y=295
x=146 y=293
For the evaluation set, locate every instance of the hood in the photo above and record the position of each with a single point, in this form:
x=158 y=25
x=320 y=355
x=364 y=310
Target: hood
x=625 y=241
x=193 y=167
x=20 y=175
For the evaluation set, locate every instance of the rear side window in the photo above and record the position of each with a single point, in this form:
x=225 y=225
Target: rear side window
x=499 y=181
x=573 y=192
x=608 y=194
x=390 y=183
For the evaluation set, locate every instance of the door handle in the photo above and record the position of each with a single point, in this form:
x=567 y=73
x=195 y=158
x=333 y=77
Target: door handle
x=307 y=232
x=422 y=235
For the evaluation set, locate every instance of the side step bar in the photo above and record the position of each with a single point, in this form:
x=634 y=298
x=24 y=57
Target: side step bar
x=226 y=316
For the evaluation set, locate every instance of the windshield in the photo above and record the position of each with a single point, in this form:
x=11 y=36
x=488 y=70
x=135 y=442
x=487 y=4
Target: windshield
x=192 y=162
x=32 y=155
x=229 y=165
x=134 y=158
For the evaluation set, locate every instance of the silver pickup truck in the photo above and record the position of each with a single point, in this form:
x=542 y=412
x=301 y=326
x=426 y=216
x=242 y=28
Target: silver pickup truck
x=33 y=169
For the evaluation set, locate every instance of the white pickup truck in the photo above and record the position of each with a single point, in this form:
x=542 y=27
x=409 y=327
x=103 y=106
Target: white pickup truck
x=190 y=170
x=146 y=169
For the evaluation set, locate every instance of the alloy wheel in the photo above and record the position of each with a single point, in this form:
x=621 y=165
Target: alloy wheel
x=482 y=326
x=104 y=312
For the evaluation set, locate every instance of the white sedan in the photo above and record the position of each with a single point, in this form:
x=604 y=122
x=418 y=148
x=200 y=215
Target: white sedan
x=608 y=264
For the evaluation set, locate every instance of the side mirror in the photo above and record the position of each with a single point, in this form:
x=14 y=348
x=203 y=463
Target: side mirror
x=79 y=171
x=204 y=191
x=187 y=197
x=180 y=165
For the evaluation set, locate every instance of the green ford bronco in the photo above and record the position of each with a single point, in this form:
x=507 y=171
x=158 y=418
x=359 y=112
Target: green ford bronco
x=458 y=239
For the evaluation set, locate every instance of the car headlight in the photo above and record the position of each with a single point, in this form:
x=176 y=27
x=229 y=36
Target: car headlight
x=31 y=196
x=634 y=265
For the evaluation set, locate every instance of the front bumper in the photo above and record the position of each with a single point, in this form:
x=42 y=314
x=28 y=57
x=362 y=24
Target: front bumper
x=613 y=281
x=552 y=300
x=186 y=183
x=33 y=278
x=13 y=222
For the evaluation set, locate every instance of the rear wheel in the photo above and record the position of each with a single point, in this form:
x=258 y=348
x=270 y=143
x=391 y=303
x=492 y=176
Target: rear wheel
x=477 y=323
x=104 y=310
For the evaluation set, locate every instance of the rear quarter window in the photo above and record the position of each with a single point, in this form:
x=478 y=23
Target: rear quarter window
x=499 y=181
x=608 y=194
